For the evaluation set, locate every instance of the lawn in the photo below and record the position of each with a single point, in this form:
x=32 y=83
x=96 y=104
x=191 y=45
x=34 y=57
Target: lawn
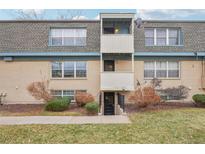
x=40 y=113
x=168 y=126
x=37 y=110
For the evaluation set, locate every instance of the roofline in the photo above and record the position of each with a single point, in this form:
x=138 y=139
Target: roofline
x=49 y=21
x=97 y=20
x=117 y=13
x=174 y=21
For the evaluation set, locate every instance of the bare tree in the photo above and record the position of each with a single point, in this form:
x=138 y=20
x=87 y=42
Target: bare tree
x=27 y=14
x=70 y=14
x=35 y=14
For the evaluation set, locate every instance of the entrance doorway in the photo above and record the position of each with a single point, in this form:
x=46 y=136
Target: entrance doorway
x=109 y=103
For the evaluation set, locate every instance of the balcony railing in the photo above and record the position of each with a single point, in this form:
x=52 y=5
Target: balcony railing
x=117 y=43
x=119 y=81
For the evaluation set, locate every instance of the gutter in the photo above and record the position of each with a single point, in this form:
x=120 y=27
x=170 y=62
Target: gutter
x=47 y=54
x=165 y=54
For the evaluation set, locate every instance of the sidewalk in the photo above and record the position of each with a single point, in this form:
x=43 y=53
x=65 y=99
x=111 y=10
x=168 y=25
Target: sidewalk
x=22 y=120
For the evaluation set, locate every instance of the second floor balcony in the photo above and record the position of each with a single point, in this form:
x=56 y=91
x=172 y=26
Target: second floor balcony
x=117 y=33
x=117 y=43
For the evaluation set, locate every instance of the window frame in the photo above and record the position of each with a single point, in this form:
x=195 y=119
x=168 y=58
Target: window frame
x=157 y=37
x=167 y=70
x=113 y=25
x=62 y=68
x=180 y=43
x=62 y=93
x=62 y=42
x=150 y=37
x=56 y=69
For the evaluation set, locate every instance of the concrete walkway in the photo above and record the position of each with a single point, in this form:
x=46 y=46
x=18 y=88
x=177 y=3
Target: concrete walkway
x=22 y=120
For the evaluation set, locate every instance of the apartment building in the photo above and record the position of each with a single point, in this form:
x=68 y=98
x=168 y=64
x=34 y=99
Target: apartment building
x=105 y=57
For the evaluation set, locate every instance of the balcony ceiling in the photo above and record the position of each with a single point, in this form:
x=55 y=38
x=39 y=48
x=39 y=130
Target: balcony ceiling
x=117 y=56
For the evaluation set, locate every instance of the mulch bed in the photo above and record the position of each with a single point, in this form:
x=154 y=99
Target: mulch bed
x=22 y=108
x=131 y=108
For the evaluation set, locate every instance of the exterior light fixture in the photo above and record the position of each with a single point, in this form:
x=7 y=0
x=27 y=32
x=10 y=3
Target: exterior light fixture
x=117 y=30
x=2 y=95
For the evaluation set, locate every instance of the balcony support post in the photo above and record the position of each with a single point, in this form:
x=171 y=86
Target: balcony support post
x=101 y=62
x=133 y=64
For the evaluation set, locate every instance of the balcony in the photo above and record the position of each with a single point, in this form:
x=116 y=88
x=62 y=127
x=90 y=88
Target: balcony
x=117 y=43
x=118 y=81
x=117 y=33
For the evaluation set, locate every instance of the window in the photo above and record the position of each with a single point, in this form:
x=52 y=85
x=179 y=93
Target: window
x=173 y=36
x=56 y=93
x=109 y=65
x=173 y=69
x=149 y=37
x=69 y=93
x=68 y=37
x=163 y=37
x=80 y=69
x=113 y=26
x=66 y=93
x=56 y=69
x=161 y=69
x=69 y=69
x=149 y=69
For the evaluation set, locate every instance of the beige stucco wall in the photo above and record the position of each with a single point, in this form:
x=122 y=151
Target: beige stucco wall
x=16 y=76
x=123 y=65
x=190 y=76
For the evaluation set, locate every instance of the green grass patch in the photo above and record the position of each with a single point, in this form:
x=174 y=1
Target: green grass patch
x=42 y=113
x=168 y=126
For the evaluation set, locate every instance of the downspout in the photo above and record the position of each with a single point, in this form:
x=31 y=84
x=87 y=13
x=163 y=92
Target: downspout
x=203 y=74
x=202 y=70
x=196 y=55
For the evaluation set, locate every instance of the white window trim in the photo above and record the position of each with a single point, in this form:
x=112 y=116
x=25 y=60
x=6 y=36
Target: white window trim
x=167 y=77
x=167 y=37
x=155 y=36
x=62 y=68
x=62 y=36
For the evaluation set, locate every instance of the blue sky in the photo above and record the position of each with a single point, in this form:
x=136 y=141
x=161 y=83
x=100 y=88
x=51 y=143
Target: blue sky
x=185 y=14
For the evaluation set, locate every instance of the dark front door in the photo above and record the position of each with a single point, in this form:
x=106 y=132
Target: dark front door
x=109 y=65
x=109 y=103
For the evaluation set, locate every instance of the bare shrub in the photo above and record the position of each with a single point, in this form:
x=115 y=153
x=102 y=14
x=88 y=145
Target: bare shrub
x=155 y=83
x=82 y=98
x=144 y=96
x=39 y=90
x=178 y=93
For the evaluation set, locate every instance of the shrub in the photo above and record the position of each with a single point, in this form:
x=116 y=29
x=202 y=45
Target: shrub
x=58 y=104
x=199 y=98
x=144 y=96
x=83 y=98
x=39 y=90
x=92 y=107
x=177 y=93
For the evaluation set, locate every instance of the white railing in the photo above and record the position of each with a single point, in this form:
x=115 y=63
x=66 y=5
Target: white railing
x=118 y=81
x=117 y=43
